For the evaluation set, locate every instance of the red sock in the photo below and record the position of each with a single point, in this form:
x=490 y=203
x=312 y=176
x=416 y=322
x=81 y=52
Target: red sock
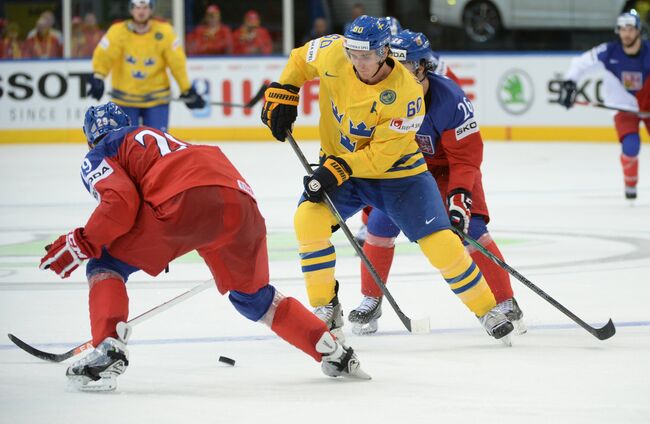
x=497 y=278
x=382 y=259
x=630 y=169
x=365 y=214
x=109 y=304
x=295 y=324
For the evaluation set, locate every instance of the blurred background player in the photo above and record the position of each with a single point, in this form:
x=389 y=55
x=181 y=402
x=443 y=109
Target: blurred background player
x=252 y=37
x=159 y=198
x=86 y=34
x=451 y=143
x=138 y=52
x=212 y=37
x=625 y=85
x=319 y=28
x=369 y=157
x=10 y=46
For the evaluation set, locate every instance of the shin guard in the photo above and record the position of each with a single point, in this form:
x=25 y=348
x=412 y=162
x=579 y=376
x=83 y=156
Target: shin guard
x=109 y=304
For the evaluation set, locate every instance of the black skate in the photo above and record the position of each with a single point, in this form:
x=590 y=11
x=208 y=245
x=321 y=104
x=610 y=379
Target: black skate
x=98 y=371
x=497 y=325
x=510 y=308
x=339 y=360
x=364 y=318
x=630 y=192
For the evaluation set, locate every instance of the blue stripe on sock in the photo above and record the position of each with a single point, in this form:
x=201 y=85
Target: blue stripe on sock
x=463 y=275
x=469 y=285
x=318 y=253
x=316 y=267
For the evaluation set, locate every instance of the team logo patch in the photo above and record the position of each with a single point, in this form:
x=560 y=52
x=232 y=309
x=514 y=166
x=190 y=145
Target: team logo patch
x=425 y=142
x=632 y=80
x=387 y=97
x=466 y=128
x=158 y=36
x=404 y=125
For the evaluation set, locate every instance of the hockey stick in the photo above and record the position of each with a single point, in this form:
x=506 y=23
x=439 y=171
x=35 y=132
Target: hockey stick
x=248 y=105
x=603 y=333
x=640 y=113
x=60 y=357
x=414 y=326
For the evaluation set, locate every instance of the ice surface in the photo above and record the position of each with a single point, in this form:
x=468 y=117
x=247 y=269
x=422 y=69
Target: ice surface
x=558 y=213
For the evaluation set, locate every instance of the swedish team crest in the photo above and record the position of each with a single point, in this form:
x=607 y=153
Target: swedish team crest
x=387 y=97
x=158 y=36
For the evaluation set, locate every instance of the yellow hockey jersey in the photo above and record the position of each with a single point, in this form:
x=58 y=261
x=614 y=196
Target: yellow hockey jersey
x=371 y=127
x=138 y=63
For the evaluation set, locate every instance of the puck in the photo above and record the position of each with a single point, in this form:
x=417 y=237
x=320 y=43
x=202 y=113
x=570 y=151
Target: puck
x=227 y=360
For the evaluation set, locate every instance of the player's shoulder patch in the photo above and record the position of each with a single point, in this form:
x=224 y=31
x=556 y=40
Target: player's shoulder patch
x=94 y=169
x=312 y=50
x=468 y=127
x=404 y=125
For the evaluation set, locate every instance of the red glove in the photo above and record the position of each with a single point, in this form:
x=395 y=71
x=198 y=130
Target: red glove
x=460 y=203
x=66 y=253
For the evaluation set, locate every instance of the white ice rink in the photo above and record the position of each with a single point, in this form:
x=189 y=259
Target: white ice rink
x=560 y=218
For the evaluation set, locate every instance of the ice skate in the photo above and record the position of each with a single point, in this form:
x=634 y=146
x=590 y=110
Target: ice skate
x=510 y=308
x=332 y=315
x=365 y=317
x=339 y=360
x=630 y=192
x=98 y=370
x=497 y=325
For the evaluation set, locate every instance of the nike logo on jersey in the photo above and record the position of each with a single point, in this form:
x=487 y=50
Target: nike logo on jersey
x=327 y=74
x=613 y=61
x=429 y=221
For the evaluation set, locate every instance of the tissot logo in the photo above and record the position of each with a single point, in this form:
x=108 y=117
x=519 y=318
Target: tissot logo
x=51 y=85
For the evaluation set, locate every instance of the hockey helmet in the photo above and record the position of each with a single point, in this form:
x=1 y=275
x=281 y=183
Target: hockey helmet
x=409 y=46
x=102 y=119
x=368 y=33
x=394 y=25
x=628 y=19
x=134 y=3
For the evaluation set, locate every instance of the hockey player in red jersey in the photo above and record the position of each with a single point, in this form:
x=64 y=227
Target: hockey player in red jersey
x=451 y=143
x=159 y=198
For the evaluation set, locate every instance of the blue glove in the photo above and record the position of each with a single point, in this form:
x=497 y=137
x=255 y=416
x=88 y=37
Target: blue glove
x=192 y=99
x=96 y=88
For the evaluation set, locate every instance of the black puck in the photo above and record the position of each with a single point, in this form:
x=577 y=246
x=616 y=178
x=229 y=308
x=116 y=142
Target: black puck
x=227 y=360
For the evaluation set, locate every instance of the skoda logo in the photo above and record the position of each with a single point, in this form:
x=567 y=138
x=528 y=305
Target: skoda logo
x=515 y=92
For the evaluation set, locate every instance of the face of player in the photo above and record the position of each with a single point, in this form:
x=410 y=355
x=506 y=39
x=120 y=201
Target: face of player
x=629 y=35
x=365 y=62
x=141 y=13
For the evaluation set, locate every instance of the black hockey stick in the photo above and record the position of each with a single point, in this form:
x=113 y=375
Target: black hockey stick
x=640 y=113
x=603 y=333
x=414 y=326
x=60 y=357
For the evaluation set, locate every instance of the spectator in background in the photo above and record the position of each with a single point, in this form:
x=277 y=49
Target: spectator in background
x=44 y=41
x=251 y=37
x=11 y=47
x=319 y=28
x=356 y=11
x=210 y=38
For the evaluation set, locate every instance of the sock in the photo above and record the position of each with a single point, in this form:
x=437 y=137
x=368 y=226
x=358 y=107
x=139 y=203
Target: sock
x=109 y=304
x=381 y=258
x=630 y=169
x=298 y=326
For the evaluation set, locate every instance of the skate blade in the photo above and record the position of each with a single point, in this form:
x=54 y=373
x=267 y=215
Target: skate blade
x=365 y=329
x=520 y=327
x=506 y=340
x=107 y=383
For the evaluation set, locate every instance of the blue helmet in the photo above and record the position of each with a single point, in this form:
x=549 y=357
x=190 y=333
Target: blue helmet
x=368 y=33
x=102 y=119
x=412 y=47
x=150 y=3
x=631 y=18
x=394 y=25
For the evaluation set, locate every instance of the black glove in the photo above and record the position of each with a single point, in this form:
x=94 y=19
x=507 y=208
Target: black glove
x=192 y=99
x=568 y=91
x=96 y=88
x=334 y=172
x=459 y=202
x=281 y=108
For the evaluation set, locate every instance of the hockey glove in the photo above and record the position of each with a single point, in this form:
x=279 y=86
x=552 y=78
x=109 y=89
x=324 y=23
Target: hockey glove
x=460 y=204
x=66 y=253
x=96 y=87
x=192 y=99
x=332 y=173
x=281 y=108
x=568 y=92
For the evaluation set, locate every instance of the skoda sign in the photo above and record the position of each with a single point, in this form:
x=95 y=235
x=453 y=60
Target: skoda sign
x=515 y=92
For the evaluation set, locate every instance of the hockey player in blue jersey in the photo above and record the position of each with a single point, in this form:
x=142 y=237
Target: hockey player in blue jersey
x=371 y=107
x=626 y=85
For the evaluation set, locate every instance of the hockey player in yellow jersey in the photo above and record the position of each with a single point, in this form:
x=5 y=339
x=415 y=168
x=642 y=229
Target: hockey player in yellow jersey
x=371 y=107
x=137 y=53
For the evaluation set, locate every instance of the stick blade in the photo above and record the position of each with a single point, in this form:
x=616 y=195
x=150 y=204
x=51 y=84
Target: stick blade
x=421 y=326
x=605 y=332
x=35 y=352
